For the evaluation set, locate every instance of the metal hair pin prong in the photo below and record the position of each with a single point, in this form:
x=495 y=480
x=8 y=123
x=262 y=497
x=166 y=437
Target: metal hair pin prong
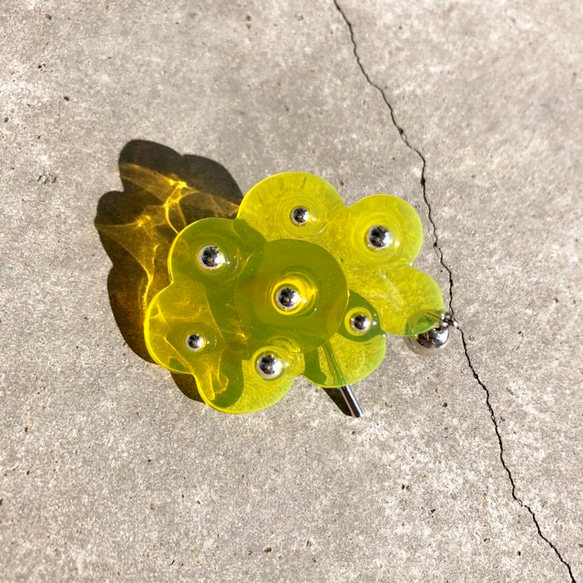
x=351 y=401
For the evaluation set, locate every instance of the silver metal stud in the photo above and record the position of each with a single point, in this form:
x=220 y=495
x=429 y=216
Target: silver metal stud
x=269 y=366
x=300 y=215
x=195 y=342
x=288 y=298
x=378 y=237
x=360 y=323
x=432 y=341
x=211 y=257
x=429 y=342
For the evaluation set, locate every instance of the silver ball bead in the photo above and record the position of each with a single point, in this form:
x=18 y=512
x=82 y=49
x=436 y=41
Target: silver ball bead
x=288 y=298
x=430 y=342
x=211 y=257
x=195 y=342
x=360 y=323
x=300 y=215
x=378 y=237
x=269 y=366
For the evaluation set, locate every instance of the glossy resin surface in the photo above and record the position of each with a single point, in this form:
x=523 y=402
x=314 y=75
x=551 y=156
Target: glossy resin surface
x=296 y=284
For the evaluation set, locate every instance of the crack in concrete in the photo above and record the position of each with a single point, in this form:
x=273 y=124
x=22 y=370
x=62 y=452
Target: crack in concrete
x=440 y=256
x=503 y=461
x=411 y=147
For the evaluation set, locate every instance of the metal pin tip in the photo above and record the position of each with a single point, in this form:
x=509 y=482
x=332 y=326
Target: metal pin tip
x=351 y=401
x=448 y=320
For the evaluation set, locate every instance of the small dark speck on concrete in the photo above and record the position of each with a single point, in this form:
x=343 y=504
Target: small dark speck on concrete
x=519 y=553
x=48 y=17
x=26 y=430
x=1 y=500
x=267 y=550
x=46 y=179
x=6 y=119
x=66 y=98
x=444 y=405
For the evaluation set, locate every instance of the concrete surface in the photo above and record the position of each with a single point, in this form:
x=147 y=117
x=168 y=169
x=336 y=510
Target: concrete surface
x=464 y=468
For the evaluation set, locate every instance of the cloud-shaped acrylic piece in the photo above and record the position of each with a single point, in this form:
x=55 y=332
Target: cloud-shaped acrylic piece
x=296 y=284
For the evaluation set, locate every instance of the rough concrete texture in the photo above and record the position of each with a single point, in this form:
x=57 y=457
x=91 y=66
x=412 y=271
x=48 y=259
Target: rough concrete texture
x=467 y=467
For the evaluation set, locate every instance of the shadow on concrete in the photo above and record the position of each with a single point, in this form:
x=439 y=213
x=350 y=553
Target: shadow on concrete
x=336 y=397
x=163 y=192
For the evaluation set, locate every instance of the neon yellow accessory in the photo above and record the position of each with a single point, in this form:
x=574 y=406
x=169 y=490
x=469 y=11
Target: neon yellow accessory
x=296 y=284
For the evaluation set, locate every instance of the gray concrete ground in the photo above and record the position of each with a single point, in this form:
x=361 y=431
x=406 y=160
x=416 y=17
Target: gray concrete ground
x=464 y=468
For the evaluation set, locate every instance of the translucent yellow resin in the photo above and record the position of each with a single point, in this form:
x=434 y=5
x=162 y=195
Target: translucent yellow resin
x=216 y=322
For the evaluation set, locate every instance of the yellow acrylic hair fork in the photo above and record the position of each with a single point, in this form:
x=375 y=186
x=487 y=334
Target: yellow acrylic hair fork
x=296 y=284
